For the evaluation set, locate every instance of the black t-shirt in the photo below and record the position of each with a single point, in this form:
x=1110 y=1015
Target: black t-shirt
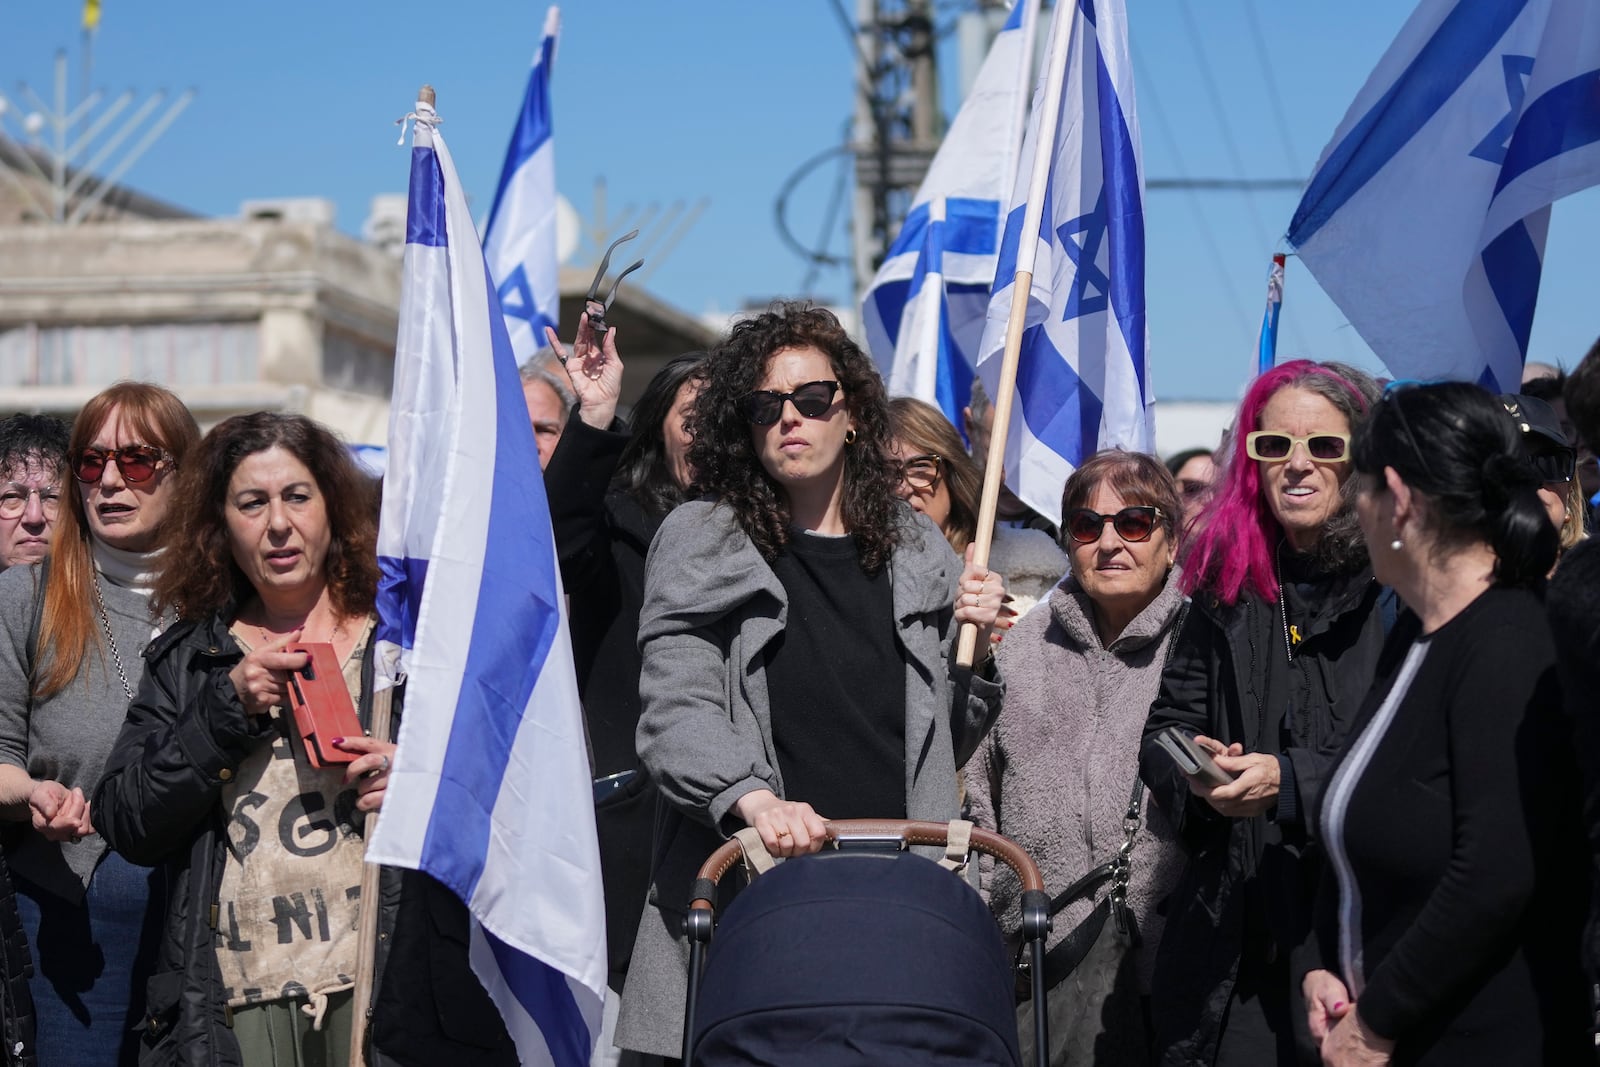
x=836 y=684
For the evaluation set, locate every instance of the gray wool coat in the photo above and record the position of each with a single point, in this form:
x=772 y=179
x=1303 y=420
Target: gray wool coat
x=1056 y=772
x=711 y=606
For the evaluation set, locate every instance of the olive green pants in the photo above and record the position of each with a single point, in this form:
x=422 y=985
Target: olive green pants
x=279 y=1034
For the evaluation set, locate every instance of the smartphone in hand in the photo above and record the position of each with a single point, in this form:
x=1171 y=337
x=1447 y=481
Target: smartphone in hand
x=1194 y=761
x=322 y=706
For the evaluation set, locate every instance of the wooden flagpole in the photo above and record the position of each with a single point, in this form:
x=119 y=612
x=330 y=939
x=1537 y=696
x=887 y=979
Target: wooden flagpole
x=1027 y=250
x=367 y=916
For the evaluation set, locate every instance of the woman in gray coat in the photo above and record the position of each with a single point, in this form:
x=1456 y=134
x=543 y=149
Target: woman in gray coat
x=1057 y=772
x=796 y=635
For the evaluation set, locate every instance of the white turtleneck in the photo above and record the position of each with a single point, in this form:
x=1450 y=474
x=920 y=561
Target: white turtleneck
x=130 y=570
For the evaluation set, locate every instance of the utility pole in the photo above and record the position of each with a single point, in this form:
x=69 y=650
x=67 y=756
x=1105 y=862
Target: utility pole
x=897 y=123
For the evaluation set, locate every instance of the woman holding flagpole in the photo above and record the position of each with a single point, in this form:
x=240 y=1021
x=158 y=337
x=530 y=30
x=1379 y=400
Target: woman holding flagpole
x=796 y=634
x=274 y=547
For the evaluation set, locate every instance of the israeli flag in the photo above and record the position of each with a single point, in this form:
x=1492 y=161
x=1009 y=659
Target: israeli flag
x=520 y=237
x=490 y=792
x=924 y=312
x=1082 y=380
x=1425 y=219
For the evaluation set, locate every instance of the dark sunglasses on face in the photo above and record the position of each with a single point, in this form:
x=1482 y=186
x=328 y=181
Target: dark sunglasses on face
x=1135 y=523
x=920 y=472
x=138 y=463
x=1273 y=446
x=1556 y=464
x=813 y=399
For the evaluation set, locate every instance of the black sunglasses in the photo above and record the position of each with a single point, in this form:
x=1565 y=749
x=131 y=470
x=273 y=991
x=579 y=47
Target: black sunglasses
x=1135 y=523
x=813 y=399
x=138 y=463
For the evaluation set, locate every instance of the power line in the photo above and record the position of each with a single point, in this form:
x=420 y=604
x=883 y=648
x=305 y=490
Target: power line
x=1147 y=96
x=1275 y=98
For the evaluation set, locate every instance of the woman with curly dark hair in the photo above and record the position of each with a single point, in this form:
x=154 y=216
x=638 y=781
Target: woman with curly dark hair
x=273 y=548
x=796 y=633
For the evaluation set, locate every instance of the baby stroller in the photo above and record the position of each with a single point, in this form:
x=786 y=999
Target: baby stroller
x=863 y=953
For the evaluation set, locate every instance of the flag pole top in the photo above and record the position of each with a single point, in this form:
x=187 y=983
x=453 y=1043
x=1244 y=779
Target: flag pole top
x=425 y=94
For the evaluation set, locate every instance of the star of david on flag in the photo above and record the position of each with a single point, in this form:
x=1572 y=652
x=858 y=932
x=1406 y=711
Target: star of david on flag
x=1426 y=217
x=1082 y=379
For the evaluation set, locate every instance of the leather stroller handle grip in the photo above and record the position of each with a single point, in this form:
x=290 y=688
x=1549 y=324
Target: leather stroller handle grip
x=908 y=832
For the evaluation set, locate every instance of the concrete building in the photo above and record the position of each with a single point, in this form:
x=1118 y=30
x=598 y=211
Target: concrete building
x=275 y=309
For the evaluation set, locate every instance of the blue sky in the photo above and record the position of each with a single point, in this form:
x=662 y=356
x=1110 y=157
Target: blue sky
x=725 y=99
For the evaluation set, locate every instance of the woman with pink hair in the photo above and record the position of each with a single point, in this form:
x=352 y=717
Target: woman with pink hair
x=1280 y=646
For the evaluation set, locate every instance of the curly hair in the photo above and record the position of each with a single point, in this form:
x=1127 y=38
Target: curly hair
x=724 y=456
x=209 y=582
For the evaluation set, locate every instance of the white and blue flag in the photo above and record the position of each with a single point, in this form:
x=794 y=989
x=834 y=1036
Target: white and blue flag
x=490 y=792
x=923 y=314
x=520 y=236
x=1425 y=219
x=1083 y=381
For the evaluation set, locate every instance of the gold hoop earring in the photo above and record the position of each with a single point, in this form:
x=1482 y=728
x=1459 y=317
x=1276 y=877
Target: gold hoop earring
x=850 y=436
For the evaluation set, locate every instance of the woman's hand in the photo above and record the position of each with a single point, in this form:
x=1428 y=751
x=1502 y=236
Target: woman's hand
x=980 y=600
x=370 y=772
x=1351 y=1044
x=262 y=678
x=594 y=370
x=59 y=813
x=787 y=827
x=1254 y=788
x=1327 y=1001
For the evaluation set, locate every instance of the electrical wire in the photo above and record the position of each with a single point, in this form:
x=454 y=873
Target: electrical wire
x=1274 y=98
x=1149 y=100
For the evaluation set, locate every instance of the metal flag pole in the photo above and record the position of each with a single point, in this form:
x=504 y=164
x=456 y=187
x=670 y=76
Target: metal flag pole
x=1027 y=251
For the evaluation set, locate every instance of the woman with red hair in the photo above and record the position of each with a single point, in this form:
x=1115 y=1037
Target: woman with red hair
x=1269 y=669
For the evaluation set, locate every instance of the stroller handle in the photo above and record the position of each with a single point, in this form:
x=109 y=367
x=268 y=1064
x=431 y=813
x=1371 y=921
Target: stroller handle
x=907 y=832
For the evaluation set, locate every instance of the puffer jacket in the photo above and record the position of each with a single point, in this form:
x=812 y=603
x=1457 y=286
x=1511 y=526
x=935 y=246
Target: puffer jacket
x=1221 y=683
x=159 y=804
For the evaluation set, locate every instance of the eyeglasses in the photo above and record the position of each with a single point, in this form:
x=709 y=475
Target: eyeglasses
x=813 y=399
x=920 y=472
x=138 y=463
x=1270 y=446
x=14 y=500
x=1555 y=464
x=1135 y=523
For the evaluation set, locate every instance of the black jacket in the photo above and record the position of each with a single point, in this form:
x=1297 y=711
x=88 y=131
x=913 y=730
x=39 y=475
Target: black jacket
x=1250 y=879
x=16 y=966
x=1573 y=603
x=159 y=805
x=602 y=539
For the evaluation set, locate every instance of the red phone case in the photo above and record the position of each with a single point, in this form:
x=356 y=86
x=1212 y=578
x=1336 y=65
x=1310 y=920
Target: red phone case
x=321 y=705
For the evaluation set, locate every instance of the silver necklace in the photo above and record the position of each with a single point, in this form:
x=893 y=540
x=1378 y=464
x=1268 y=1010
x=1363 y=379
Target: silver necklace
x=111 y=639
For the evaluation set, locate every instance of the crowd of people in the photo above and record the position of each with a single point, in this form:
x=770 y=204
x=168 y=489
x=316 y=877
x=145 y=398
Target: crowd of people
x=1300 y=730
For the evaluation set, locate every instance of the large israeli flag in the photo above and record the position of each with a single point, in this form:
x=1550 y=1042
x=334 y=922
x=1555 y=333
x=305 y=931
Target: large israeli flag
x=490 y=792
x=1425 y=219
x=520 y=236
x=1082 y=381
x=923 y=314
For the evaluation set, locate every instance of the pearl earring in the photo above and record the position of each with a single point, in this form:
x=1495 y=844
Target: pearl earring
x=1396 y=545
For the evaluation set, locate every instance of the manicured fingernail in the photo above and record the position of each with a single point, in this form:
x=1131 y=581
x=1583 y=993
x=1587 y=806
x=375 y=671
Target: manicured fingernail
x=338 y=740
x=1338 y=1005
